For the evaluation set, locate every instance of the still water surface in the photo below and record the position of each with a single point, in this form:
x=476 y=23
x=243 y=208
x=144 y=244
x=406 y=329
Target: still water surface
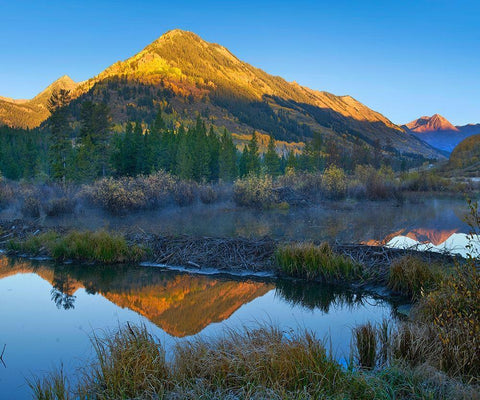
x=434 y=223
x=47 y=312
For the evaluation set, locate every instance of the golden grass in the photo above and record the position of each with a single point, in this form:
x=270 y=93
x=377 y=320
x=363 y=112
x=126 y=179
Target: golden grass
x=315 y=262
x=253 y=364
x=414 y=277
x=87 y=246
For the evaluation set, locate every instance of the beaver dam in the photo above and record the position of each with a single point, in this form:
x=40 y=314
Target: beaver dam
x=237 y=255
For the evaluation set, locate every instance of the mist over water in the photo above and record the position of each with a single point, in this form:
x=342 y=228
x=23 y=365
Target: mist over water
x=430 y=220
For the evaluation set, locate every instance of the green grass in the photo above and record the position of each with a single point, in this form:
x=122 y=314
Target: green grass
x=84 y=246
x=315 y=262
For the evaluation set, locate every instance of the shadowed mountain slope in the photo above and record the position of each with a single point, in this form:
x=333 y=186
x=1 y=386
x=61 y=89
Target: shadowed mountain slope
x=184 y=75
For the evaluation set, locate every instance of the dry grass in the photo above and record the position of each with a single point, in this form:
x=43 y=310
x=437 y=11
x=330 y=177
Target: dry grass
x=129 y=364
x=254 y=364
x=87 y=246
x=414 y=277
x=315 y=262
x=365 y=344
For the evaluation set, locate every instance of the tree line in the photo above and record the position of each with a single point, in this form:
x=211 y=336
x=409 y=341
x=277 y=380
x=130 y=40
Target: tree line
x=67 y=151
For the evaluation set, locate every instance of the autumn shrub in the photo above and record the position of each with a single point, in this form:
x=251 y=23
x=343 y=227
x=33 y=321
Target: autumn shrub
x=208 y=194
x=334 y=183
x=378 y=184
x=255 y=191
x=6 y=192
x=185 y=193
x=128 y=194
x=157 y=188
x=59 y=206
x=31 y=205
x=308 y=184
x=429 y=181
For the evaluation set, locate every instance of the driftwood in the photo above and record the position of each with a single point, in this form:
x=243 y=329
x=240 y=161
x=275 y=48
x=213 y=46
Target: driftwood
x=209 y=252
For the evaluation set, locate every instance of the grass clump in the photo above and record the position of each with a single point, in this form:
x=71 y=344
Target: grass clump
x=259 y=363
x=412 y=276
x=53 y=386
x=85 y=246
x=251 y=363
x=130 y=363
x=314 y=262
x=365 y=343
x=454 y=313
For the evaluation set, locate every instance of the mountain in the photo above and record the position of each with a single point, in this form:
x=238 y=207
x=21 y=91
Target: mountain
x=438 y=132
x=431 y=124
x=31 y=113
x=465 y=157
x=184 y=75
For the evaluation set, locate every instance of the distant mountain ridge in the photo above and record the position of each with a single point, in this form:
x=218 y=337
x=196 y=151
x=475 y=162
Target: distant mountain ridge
x=438 y=132
x=184 y=74
x=31 y=113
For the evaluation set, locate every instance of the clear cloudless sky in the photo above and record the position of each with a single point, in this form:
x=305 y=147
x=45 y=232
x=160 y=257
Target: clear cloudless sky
x=403 y=58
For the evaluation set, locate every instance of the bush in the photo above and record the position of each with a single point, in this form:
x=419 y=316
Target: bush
x=378 y=184
x=185 y=193
x=6 y=192
x=413 y=277
x=208 y=194
x=334 y=183
x=59 y=206
x=128 y=194
x=312 y=262
x=255 y=191
x=306 y=183
x=31 y=206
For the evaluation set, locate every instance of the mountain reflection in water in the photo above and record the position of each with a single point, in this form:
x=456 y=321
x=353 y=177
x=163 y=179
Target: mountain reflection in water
x=48 y=311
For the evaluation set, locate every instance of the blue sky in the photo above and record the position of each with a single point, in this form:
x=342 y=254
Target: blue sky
x=402 y=58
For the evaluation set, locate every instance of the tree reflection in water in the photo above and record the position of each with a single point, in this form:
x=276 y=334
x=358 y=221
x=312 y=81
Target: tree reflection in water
x=314 y=295
x=61 y=292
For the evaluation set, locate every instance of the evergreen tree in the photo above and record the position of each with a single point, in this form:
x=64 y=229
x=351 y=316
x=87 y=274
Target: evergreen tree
x=94 y=137
x=228 y=170
x=292 y=161
x=253 y=159
x=60 y=143
x=271 y=159
x=185 y=164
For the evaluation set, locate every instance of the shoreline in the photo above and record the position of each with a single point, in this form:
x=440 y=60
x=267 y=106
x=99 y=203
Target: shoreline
x=237 y=256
